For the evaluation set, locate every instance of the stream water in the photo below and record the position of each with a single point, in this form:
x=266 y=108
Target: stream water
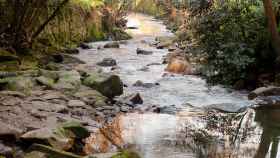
x=162 y=135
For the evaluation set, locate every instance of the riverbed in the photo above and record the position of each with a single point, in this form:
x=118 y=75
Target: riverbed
x=165 y=135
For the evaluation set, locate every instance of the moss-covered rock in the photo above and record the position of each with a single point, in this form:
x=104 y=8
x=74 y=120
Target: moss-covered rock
x=126 y=154
x=21 y=84
x=68 y=81
x=92 y=97
x=52 y=152
x=45 y=81
x=77 y=128
x=107 y=84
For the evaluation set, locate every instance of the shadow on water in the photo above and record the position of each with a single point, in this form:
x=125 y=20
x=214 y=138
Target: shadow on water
x=270 y=122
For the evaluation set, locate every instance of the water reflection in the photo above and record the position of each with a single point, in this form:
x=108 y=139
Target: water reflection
x=270 y=121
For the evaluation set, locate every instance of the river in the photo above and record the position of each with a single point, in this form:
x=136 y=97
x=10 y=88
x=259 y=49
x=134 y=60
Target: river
x=165 y=135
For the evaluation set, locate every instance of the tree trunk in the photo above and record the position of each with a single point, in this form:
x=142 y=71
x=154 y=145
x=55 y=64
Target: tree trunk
x=54 y=14
x=272 y=25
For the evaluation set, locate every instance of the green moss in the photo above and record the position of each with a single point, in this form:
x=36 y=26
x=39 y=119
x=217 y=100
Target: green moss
x=126 y=154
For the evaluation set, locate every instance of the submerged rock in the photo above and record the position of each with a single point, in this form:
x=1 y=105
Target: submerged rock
x=107 y=84
x=143 y=52
x=112 y=45
x=264 y=91
x=144 y=85
x=107 y=62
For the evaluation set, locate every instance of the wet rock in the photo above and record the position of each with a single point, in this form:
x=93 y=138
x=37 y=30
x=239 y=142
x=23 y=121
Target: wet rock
x=69 y=59
x=9 y=132
x=179 y=66
x=58 y=58
x=144 y=69
x=268 y=102
x=45 y=81
x=107 y=62
x=144 y=85
x=107 y=84
x=172 y=110
x=135 y=99
x=132 y=27
x=76 y=103
x=77 y=129
x=226 y=108
x=57 y=138
x=53 y=66
x=85 y=46
x=6 y=151
x=52 y=152
x=71 y=51
x=112 y=45
x=239 y=85
x=92 y=97
x=264 y=91
x=68 y=81
x=143 y=52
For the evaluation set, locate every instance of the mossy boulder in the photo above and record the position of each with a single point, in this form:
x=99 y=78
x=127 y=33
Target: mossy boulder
x=68 y=81
x=21 y=84
x=107 y=84
x=49 y=82
x=49 y=74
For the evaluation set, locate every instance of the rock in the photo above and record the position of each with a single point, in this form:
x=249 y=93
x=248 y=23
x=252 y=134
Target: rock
x=71 y=51
x=49 y=107
x=143 y=52
x=69 y=59
x=13 y=93
x=132 y=27
x=76 y=103
x=52 y=152
x=21 y=84
x=8 y=56
x=45 y=81
x=154 y=64
x=49 y=74
x=57 y=138
x=35 y=154
x=264 y=91
x=85 y=46
x=53 y=66
x=112 y=45
x=5 y=74
x=172 y=48
x=68 y=81
x=107 y=84
x=144 y=69
x=239 y=85
x=107 y=62
x=6 y=151
x=58 y=58
x=77 y=128
x=92 y=97
x=179 y=66
x=268 y=102
x=9 y=132
x=135 y=99
x=226 y=108
x=164 y=42
x=172 y=110
x=144 y=85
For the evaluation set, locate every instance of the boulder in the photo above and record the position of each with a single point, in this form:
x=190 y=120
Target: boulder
x=179 y=66
x=112 y=45
x=77 y=129
x=71 y=51
x=92 y=97
x=264 y=91
x=57 y=138
x=45 y=81
x=143 y=52
x=76 y=104
x=144 y=85
x=107 y=84
x=85 y=46
x=49 y=74
x=134 y=99
x=9 y=132
x=21 y=84
x=106 y=62
x=68 y=81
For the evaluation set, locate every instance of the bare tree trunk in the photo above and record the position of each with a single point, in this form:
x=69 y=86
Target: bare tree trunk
x=272 y=25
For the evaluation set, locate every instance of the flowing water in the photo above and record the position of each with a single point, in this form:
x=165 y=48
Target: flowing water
x=162 y=135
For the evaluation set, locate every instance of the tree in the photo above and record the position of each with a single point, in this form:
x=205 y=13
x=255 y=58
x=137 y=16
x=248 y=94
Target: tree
x=272 y=25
